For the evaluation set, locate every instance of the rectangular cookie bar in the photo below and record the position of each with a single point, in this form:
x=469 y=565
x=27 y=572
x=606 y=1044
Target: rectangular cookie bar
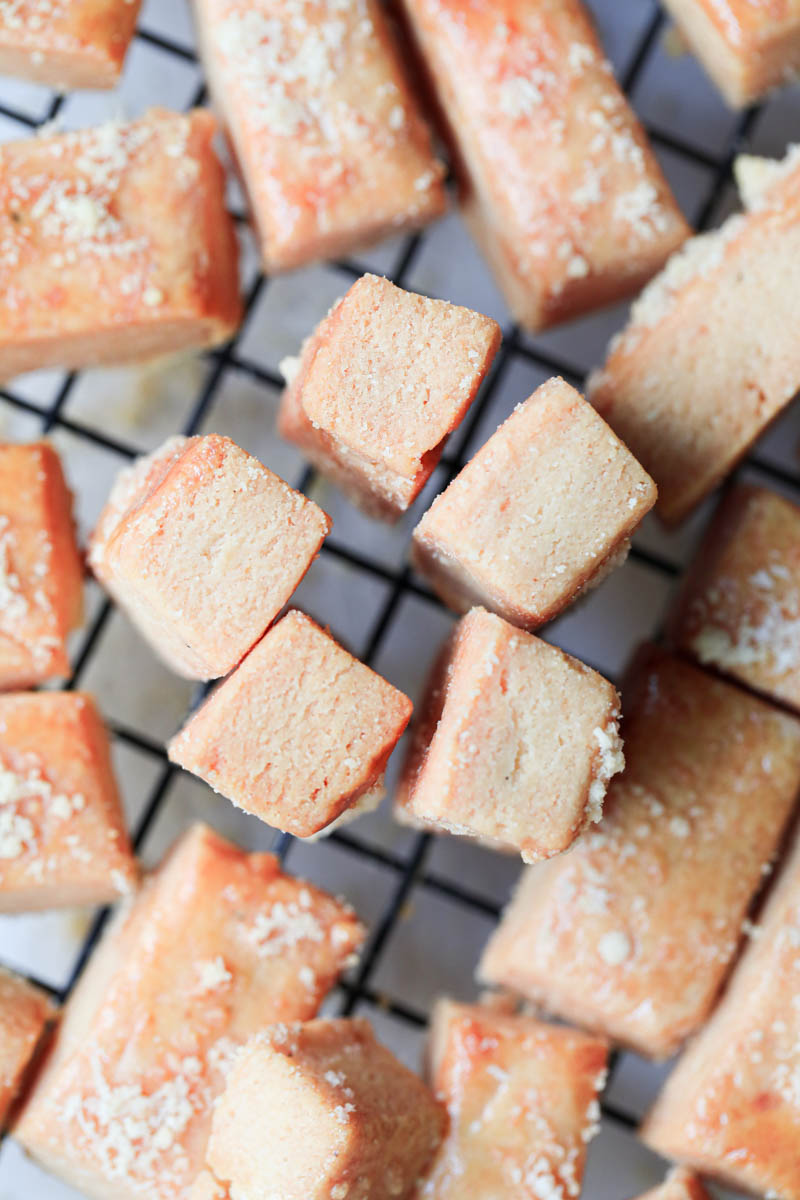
x=115 y=244
x=738 y=610
x=322 y=1110
x=217 y=945
x=515 y=742
x=63 y=839
x=559 y=183
x=748 y=47
x=332 y=149
x=522 y=1097
x=378 y=387
x=25 y=1011
x=66 y=43
x=41 y=572
x=299 y=734
x=693 y=379
x=543 y=510
x=202 y=546
x=632 y=933
x=731 y=1107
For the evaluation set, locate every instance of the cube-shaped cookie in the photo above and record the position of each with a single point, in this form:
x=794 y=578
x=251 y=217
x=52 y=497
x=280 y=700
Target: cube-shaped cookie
x=679 y=1184
x=693 y=380
x=739 y=606
x=559 y=183
x=747 y=47
x=321 y=1110
x=202 y=546
x=218 y=944
x=115 y=244
x=41 y=574
x=523 y=1103
x=24 y=1013
x=378 y=387
x=515 y=743
x=66 y=43
x=731 y=1107
x=333 y=151
x=299 y=734
x=543 y=510
x=631 y=934
x=62 y=830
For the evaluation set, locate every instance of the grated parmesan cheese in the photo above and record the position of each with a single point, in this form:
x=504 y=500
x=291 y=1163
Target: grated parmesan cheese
x=284 y=926
x=27 y=801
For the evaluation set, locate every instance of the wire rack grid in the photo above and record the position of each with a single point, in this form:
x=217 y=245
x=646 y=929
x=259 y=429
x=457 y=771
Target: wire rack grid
x=429 y=903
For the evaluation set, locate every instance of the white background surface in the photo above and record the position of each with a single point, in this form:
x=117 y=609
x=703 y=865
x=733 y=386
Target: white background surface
x=435 y=945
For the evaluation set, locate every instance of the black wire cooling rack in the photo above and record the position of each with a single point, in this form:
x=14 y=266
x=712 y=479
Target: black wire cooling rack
x=408 y=870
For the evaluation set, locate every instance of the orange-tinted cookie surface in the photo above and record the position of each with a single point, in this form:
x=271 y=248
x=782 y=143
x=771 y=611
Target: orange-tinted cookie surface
x=632 y=933
x=748 y=47
x=218 y=944
x=546 y=505
x=522 y=1097
x=320 y=1110
x=202 y=546
x=66 y=43
x=378 y=387
x=299 y=733
x=24 y=1013
x=739 y=607
x=333 y=151
x=693 y=380
x=515 y=743
x=560 y=185
x=114 y=244
x=41 y=574
x=731 y=1107
x=63 y=839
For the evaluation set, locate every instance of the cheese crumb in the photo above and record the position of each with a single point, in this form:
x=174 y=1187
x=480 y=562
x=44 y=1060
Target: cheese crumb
x=283 y=927
x=615 y=947
x=610 y=762
x=213 y=974
x=27 y=800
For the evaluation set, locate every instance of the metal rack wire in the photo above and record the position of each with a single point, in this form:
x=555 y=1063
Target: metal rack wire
x=409 y=871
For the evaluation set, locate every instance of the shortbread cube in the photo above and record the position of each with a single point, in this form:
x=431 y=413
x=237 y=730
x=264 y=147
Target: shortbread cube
x=25 y=1011
x=632 y=933
x=748 y=48
x=378 y=387
x=217 y=945
x=62 y=829
x=544 y=510
x=523 y=1103
x=41 y=573
x=299 y=734
x=559 y=183
x=319 y=1111
x=693 y=380
x=66 y=43
x=114 y=244
x=332 y=149
x=202 y=546
x=515 y=743
x=731 y=1108
x=739 y=606
x=679 y=1184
